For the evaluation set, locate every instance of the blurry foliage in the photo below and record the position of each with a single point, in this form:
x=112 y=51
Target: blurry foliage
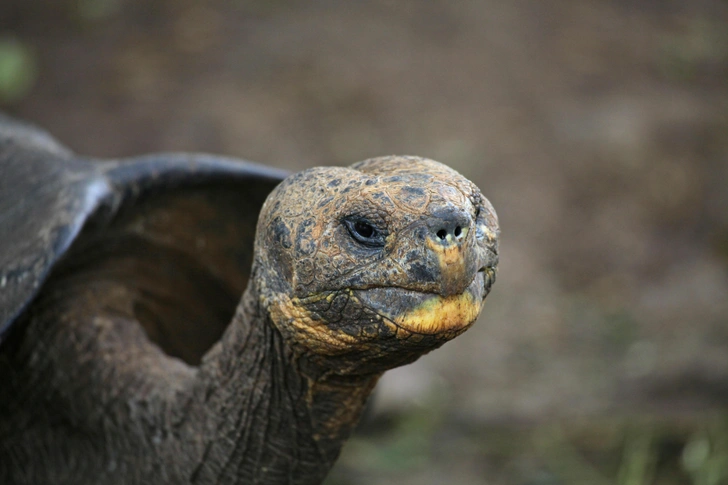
x=93 y=10
x=705 y=456
x=607 y=451
x=18 y=70
x=702 y=45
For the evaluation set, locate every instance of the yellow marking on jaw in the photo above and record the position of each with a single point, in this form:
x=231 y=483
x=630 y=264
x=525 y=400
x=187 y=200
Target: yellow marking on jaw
x=295 y=321
x=441 y=314
x=436 y=315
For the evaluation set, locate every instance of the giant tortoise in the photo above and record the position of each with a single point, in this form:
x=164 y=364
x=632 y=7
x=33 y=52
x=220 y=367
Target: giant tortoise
x=127 y=354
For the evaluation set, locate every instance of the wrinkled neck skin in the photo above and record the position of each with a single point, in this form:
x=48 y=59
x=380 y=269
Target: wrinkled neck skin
x=265 y=421
x=88 y=399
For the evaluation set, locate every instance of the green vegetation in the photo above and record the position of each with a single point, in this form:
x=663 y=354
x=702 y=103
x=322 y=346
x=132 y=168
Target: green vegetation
x=615 y=451
x=18 y=70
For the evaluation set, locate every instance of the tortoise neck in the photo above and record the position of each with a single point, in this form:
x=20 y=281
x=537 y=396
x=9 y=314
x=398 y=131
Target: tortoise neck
x=263 y=420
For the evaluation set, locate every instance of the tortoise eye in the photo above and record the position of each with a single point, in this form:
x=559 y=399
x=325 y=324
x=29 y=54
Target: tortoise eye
x=363 y=229
x=364 y=232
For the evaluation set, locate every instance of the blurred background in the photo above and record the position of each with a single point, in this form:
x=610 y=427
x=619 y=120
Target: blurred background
x=597 y=128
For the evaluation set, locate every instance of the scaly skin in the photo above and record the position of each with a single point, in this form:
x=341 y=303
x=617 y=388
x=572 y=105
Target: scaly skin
x=356 y=271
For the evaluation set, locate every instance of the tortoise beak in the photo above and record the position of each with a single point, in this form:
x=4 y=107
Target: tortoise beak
x=430 y=313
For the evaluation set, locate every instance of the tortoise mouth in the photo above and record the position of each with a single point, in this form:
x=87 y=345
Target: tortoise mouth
x=430 y=313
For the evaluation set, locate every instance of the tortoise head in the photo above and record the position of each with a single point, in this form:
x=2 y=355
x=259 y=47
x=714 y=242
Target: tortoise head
x=368 y=267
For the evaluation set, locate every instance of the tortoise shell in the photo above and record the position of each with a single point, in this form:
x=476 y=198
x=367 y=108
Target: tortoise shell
x=196 y=206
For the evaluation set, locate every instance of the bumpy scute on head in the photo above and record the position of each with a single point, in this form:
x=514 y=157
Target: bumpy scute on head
x=368 y=260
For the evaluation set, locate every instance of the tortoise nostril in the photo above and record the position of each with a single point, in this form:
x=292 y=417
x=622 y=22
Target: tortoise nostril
x=449 y=225
x=443 y=233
